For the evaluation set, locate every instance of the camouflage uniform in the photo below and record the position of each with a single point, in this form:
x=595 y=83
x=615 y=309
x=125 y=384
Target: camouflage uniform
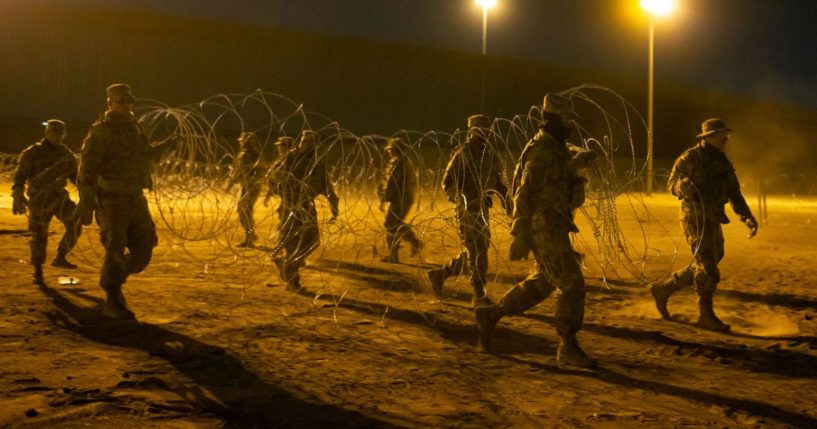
x=704 y=180
x=299 y=178
x=473 y=171
x=248 y=171
x=47 y=167
x=398 y=188
x=544 y=202
x=115 y=166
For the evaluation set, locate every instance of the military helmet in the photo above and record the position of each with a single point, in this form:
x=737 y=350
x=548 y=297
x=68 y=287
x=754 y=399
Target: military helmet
x=55 y=126
x=120 y=91
x=558 y=105
x=712 y=126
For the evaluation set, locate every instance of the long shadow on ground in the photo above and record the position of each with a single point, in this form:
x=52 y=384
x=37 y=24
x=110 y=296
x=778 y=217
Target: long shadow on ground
x=785 y=300
x=511 y=341
x=239 y=397
x=783 y=362
x=752 y=407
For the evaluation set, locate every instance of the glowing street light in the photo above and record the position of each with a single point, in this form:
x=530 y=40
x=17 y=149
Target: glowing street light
x=656 y=9
x=486 y=5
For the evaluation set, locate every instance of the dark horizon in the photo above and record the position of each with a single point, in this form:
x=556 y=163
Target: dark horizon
x=755 y=48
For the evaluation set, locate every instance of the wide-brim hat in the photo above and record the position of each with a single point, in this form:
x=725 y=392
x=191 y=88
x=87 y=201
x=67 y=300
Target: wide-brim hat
x=55 y=126
x=479 y=121
x=395 y=142
x=120 y=90
x=712 y=126
x=559 y=105
x=285 y=141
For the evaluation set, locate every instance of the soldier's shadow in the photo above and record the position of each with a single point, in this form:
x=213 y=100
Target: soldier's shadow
x=749 y=406
x=223 y=385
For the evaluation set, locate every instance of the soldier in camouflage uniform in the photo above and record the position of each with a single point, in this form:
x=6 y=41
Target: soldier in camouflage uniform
x=543 y=185
x=282 y=147
x=46 y=166
x=704 y=180
x=398 y=189
x=115 y=166
x=473 y=172
x=248 y=171
x=299 y=178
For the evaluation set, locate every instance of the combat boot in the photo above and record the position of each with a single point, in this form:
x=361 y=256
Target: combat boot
x=61 y=262
x=294 y=285
x=570 y=353
x=249 y=240
x=393 y=257
x=37 y=277
x=416 y=246
x=661 y=294
x=707 y=318
x=115 y=305
x=437 y=277
x=481 y=301
x=487 y=317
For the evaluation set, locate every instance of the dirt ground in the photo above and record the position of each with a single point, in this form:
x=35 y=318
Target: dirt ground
x=366 y=344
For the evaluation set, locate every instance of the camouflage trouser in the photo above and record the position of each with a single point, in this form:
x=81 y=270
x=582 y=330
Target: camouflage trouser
x=475 y=236
x=557 y=267
x=298 y=238
x=124 y=223
x=705 y=236
x=246 y=205
x=42 y=207
x=396 y=227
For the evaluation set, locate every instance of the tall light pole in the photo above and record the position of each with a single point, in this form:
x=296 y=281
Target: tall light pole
x=486 y=5
x=656 y=9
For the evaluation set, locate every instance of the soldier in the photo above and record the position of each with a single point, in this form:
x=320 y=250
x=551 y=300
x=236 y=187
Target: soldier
x=398 y=189
x=282 y=147
x=248 y=171
x=299 y=178
x=46 y=166
x=473 y=172
x=543 y=184
x=115 y=166
x=704 y=180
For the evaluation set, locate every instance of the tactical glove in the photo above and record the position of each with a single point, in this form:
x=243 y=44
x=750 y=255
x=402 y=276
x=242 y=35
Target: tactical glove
x=750 y=222
x=20 y=203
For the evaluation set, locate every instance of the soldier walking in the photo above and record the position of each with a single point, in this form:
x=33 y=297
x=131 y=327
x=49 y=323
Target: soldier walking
x=248 y=171
x=46 y=166
x=115 y=166
x=704 y=180
x=300 y=177
x=282 y=147
x=397 y=189
x=472 y=174
x=543 y=185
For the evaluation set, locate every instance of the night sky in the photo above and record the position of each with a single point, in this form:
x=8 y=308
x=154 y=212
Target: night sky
x=761 y=48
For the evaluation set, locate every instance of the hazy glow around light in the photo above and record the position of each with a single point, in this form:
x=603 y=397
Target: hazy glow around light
x=658 y=7
x=486 y=4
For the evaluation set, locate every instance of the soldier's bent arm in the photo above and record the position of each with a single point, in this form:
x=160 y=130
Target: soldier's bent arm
x=23 y=173
x=736 y=197
x=676 y=184
x=534 y=174
x=451 y=177
x=90 y=160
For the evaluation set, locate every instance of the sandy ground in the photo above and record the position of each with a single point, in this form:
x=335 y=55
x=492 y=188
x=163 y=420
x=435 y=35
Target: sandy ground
x=367 y=345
